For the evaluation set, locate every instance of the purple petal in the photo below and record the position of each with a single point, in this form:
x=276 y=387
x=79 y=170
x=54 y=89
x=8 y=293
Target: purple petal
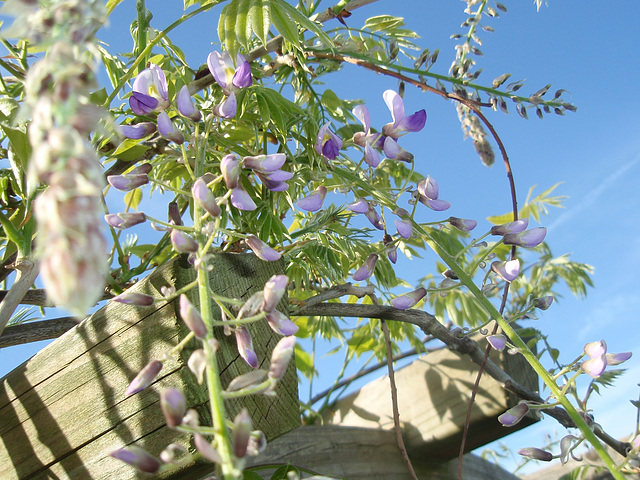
x=219 y=67
x=371 y=156
x=413 y=123
x=173 y=405
x=514 y=415
x=328 y=143
x=168 y=130
x=134 y=298
x=527 y=239
x=313 y=202
x=595 y=349
x=366 y=270
x=274 y=185
x=242 y=77
x=261 y=249
x=463 y=224
x=205 y=198
x=142 y=104
x=429 y=188
x=230 y=168
x=374 y=218
x=228 y=107
x=437 y=205
x=186 y=106
x=265 y=163
x=507 y=270
x=273 y=291
x=144 y=378
x=497 y=342
x=182 y=242
x=125 y=220
x=245 y=347
x=138 y=458
x=242 y=200
x=395 y=104
x=359 y=206
x=192 y=318
x=617 y=358
x=279 y=323
x=511 y=227
x=404 y=227
x=127 y=182
x=392 y=253
x=408 y=300
x=536 y=454
x=362 y=113
x=139 y=130
x=595 y=367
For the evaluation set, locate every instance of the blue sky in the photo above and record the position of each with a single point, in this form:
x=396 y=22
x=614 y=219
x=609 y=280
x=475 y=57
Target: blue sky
x=588 y=48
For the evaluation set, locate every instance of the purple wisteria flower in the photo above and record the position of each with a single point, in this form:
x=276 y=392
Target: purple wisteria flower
x=280 y=357
x=134 y=298
x=245 y=347
x=144 y=378
x=186 y=107
x=261 y=249
x=267 y=167
x=527 y=239
x=279 y=323
x=498 y=342
x=328 y=143
x=138 y=130
x=599 y=359
x=536 y=454
x=173 y=405
x=150 y=93
x=404 y=228
x=128 y=182
x=463 y=224
x=192 y=318
x=408 y=300
x=313 y=202
x=367 y=268
x=516 y=226
x=230 y=168
x=182 y=242
x=401 y=124
x=242 y=200
x=138 y=458
x=514 y=414
x=363 y=206
x=366 y=139
x=205 y=198
x=125 y=220
x=168 y=130
x=394 y=151
x=508 y=270
x=230 y=78
x=428 y=192
x=273 y=291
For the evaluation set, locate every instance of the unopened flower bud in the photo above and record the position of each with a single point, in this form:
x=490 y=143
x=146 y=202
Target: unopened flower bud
x=514 y=414
x=205 y=198
x=261 y=249
x=230 y=168
x=205 y=449
x=511 y=227
x=508 y=270
x=279 y=323
x=543 y=302
x=313 y=202
x=182 y=242
x=144 y=378
x=241 y=433
x=280 y=357
x=173 y=405
x=125 y=220
x=197 y=363
x=246 y=380
x=366 y=270
x=138 y=458
x=168 y=130
x=497 y=342
x=192 y=318
x=463 y=224
x=134 y=298
x=273 y=291
x=527 y=239
x=408 y=300
x=536 y=454
x=128 y=182
x=245 y=346
x=186 y=106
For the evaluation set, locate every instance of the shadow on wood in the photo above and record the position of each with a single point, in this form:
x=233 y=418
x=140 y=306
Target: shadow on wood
x=433 y=396
x=63 y=411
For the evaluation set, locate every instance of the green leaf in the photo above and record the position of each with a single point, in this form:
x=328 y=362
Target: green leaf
x=281 y=473
x=248 y=475
x=227 y=27
x=383 y=23
x=133 y=198
x=284 y=24
x=129 y=150
x=302 y=20
x=259 y=19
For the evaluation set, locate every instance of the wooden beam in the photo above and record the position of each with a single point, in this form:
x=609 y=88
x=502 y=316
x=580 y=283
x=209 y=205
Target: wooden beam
x=63 y=411
x=365 y=454
x=433 y=394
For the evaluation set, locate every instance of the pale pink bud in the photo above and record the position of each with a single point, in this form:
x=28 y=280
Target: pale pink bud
x=205 y=449
x=173 y=405
x=280 y=357
x=197 y=363
x=127 y=182
x=125 y=220
x=514 y=415
x=192 y=318
x=138 y=458
x=242 y=427
x=273 y=291
x=230 y=168
x=182 y=242
x=249 y=379
x=134 y=298
x=146 y=376
x=536 y=454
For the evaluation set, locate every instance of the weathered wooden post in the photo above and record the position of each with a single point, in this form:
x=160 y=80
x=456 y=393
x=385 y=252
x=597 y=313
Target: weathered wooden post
x=63 y=411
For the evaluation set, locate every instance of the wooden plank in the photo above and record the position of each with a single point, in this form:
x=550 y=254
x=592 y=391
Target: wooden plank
x=433 y=395
x=365 y=454
x=64 y=410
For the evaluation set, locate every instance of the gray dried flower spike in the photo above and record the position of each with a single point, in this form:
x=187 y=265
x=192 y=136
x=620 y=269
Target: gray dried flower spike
x=472 y=128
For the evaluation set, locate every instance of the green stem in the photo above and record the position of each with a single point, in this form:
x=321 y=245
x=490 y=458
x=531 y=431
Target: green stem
x=144 y=18
x=528 y=354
